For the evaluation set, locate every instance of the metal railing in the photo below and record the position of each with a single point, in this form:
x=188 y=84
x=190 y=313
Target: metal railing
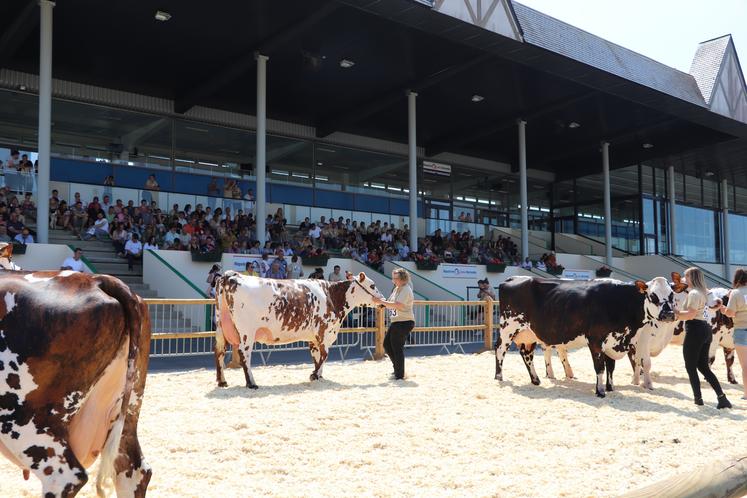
x=185 y=327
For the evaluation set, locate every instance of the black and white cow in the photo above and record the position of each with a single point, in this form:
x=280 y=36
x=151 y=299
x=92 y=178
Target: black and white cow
x=653 y=336
x=606 y=314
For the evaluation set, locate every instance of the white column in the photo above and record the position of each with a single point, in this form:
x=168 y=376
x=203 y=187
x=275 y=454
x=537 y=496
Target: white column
x=412 y=153
x=45 y=120
x=607 y=203
x=524 y=209
x=672 y=212
x=261 y=166
x=725 y=228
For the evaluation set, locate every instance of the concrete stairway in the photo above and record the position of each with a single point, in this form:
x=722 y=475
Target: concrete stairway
x=102 y=256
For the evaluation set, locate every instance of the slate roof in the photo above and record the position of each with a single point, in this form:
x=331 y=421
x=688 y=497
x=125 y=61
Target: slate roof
x=707 y=63
x=565 y=39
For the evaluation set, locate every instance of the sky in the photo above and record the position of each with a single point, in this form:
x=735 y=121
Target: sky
x=668 y=31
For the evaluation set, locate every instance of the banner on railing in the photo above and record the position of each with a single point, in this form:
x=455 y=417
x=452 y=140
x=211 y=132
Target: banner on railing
x=458 y=271
x=239 y=261
x=578 y=274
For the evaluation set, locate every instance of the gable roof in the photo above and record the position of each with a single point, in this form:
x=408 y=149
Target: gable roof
x=565 y=39
x=707 y=64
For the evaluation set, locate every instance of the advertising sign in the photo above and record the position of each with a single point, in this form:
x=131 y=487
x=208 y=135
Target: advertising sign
x=578 y=274
x=458 y=271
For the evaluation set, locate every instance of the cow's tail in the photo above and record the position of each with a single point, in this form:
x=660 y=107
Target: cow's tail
x=133 y=328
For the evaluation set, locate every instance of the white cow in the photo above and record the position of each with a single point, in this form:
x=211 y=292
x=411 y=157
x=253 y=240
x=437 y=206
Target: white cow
x=269 y=311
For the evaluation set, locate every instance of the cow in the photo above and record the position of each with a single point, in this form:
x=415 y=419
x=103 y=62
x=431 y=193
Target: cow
x=73 y=361
x=274 y=312
x=607 y=314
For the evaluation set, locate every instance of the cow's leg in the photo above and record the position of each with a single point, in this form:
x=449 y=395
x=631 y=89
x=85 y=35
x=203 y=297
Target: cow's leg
x=548 y=362
x=609 y=366
x=563 y=355
x=729 y=358
x=527 y=354
x=597 y=357
x=220 y=354
x=245 y=357
x=319 y=355
x=644 y=364
x=508 y=330
x=54 y=463
x=634 y=365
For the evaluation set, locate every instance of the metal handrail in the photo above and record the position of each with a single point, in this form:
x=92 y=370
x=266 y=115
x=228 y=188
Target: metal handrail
x=685 y=262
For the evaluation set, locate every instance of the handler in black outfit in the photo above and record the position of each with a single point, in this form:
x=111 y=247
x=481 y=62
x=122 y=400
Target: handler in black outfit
x=402 y=320
x=698 y=338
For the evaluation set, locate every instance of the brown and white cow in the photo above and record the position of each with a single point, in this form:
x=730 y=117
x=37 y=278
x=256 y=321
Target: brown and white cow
x=269 y=311
x=73 y=362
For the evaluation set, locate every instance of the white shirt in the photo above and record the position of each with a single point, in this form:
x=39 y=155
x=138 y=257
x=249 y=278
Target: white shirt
x=102 y=224
x=315 y=232
x=73 y=264
x=150 y=246
x=134 y=247
x=335 y=277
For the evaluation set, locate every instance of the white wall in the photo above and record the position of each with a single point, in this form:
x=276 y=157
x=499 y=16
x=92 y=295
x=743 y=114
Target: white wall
x=167 y=283
x=44 y=257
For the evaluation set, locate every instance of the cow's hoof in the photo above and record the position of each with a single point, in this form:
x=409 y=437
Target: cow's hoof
x=650 y=387
x=536 y=382
x=733 y=381
x=313 y=377
x=499 y=377
x=223 y=384
x=252 y=386
x=609 y=388
x=570 y=378
x=601 y=394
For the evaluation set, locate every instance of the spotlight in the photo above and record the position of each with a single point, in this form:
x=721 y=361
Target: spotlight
x=477 y=98
x=162 y=16
x=346 y=63
x=648 y=146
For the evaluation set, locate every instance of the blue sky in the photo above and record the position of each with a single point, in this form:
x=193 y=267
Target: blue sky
x=665 y=30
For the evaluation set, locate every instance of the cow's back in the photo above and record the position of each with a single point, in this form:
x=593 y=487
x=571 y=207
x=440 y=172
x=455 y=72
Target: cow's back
x=61 y=327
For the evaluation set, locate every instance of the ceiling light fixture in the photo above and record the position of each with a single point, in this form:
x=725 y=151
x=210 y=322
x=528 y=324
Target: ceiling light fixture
x=477 y=98
x=573 y=125
x=709 y=173
x=162 y=16
x=346 y=63
x=648 y=146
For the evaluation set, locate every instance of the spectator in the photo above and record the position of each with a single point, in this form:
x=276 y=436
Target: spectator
x=178 y=246
x=28 y=208
x=213 y=192
x=212 y=279
x=150 y=185
x=151 y=244
x=171 y=236
x=74 y=262
x=317 y=274
x=99 y=229
x=275 y=271
x=24 y=237
x=15 y=227
x=295 y=270
x=485 y=291
x=106 y=203
x=133 y=250
x=335 y=276
x=527 y=264
x=4 y=234
x=249 y=269
x=264 y=265
x=79 y=218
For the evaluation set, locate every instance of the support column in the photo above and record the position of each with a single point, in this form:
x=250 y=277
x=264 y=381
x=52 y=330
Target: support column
x=412 y=153
x=261 y=162
x=524 y=209
x=607 y=204
x=672 y=212
x=45 y=120
x=725 y=228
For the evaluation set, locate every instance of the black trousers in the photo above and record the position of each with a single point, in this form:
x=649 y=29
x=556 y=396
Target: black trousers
x=394 y=345
x=695 y=350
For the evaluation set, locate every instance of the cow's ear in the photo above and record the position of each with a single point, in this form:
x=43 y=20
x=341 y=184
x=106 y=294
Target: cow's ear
x=362 y=277
x=642 y=287
x=676 y=277
x=679 y=287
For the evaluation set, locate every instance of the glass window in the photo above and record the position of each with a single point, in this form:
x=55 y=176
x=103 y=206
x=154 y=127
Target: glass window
x=693 y=194
x=361 y=171
x=696 y=234
x=660 y=178
x=647 y=179
x=710 y=194
x=679 y=187
x=624 y=181
x=740 y=193
x=738 y=239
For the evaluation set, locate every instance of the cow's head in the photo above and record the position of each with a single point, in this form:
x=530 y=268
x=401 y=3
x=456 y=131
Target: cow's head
x=362 y=289
x=658 y=303
x=6 y=257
